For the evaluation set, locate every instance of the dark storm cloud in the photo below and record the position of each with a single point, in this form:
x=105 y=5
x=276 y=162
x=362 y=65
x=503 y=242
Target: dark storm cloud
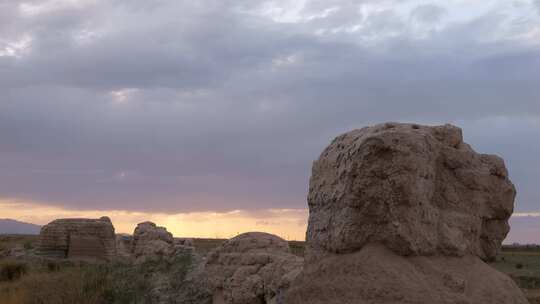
x=184 y=106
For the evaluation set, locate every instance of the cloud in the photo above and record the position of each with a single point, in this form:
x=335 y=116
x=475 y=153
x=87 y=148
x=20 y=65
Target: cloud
x=428 y=13
x=178 y=106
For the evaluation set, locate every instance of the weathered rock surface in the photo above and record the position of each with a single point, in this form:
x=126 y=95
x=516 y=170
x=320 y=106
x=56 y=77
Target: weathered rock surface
x=376 y=275
x=419 y=190
x=124 y=245
x=184 y=242
x=251 y=268
x=151 y=242
x=78 y=238
x=402 y=213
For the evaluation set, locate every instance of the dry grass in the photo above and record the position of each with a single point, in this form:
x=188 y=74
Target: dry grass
x=63 y=282
x=522 y=264
x=12 y=270
x=82 y=283
x=8 y=241
x=297 y=247
x=71 y=286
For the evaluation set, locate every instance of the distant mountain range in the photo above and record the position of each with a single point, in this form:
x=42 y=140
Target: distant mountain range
x=9 y=226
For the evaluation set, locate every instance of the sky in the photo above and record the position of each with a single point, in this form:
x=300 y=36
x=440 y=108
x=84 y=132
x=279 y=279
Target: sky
x=205 y=116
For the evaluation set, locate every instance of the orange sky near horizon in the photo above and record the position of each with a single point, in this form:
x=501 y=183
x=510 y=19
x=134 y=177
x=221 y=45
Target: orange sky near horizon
x=289 y=224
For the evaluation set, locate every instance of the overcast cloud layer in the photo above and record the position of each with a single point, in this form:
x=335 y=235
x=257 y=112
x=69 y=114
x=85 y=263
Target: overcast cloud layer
x=219 y=105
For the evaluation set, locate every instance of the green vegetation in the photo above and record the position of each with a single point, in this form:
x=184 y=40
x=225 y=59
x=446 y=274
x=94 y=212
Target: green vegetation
x=12 y=270
x=28 y=245
x=50 y=282
x=297 y=247
x=67 y=282
x=522 y=264
x=11 y=240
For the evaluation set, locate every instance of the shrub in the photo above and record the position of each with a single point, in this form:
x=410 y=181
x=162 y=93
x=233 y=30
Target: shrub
x=59 y=287
x=297 y=248
x=179 y=269
x=28 y=245
x=11 y=271
x=519 y=266
x=53 y=266
x=81 y=283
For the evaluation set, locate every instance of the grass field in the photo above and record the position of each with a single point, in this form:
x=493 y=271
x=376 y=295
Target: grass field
x=521 y=263
x=10 y=241
x=36 y=281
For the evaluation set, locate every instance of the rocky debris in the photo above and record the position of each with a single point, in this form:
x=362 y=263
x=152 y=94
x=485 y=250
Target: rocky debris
x=195 y=287
x=78 y=238
x=124 y=245
x=251 y=268
x=151 y=242
x=403 y=213
x=170 y=266
x=184 y=242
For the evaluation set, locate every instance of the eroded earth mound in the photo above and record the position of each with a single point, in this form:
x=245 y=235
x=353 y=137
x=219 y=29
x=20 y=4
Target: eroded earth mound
x=152 y=243
x=252 y=268
x=403 y=213
x=78 y=238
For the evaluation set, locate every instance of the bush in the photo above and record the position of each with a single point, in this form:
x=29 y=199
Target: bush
x=519 y=266
x=68 y=286
x=28 y=245
x=53 y=266
x=179 y=269
x=11 y=271
x=125 y=284
x=297 y=248
x=81 y=283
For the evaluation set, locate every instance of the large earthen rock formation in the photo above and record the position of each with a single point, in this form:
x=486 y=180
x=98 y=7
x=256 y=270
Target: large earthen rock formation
x=78 y=239
x=252 y=268
x=403 y=213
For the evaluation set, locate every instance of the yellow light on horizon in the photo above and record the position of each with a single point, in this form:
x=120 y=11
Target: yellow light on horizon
x=289 y=224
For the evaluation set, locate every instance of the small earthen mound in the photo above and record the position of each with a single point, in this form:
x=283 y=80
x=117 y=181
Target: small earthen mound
x=252 y=268
x=403 y=213
x=78 y=239
x=377 y=275
x=151 y=242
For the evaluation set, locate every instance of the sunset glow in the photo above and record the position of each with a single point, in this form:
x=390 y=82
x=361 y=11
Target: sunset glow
x=290 y=224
